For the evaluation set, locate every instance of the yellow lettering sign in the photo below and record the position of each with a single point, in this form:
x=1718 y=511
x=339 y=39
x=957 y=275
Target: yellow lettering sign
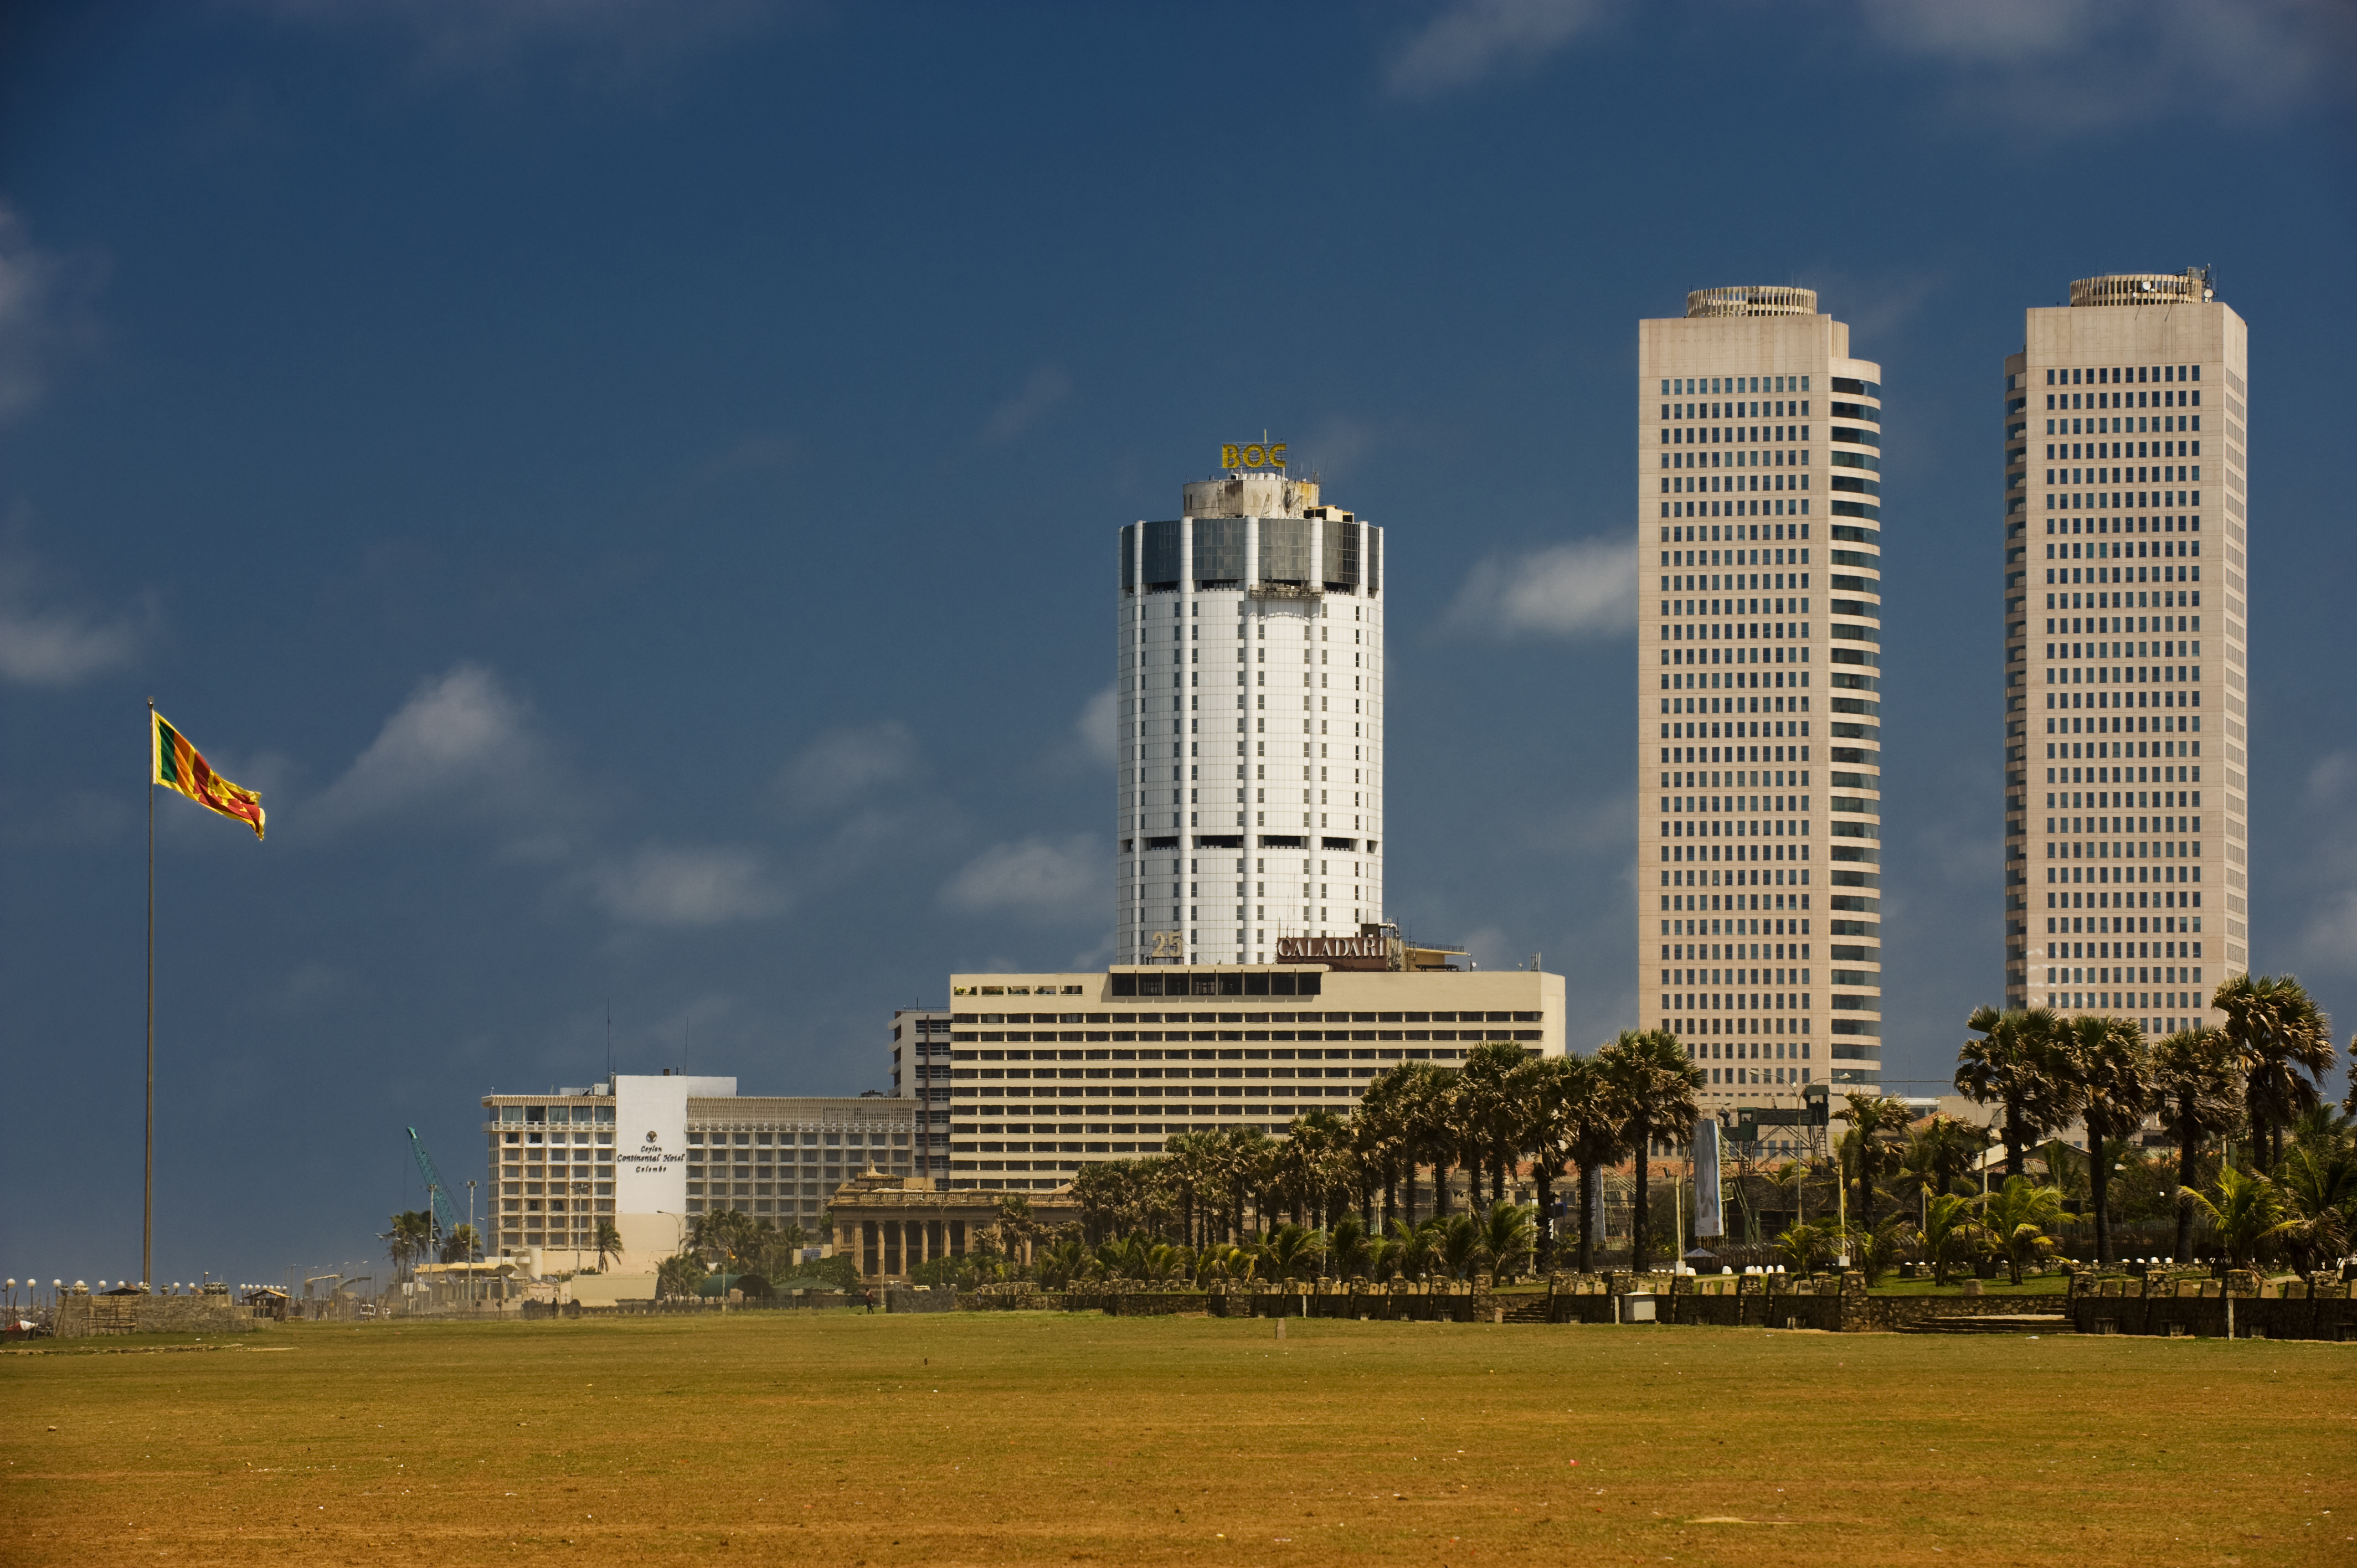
x=1256 y=456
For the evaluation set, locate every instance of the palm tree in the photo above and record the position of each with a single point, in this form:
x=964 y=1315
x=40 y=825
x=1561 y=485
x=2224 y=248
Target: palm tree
x=1870 y=1148
x=2318 y=1182
x=1595 y=1134
x=1351 y=1248
x=2011 y=1066
x=1376 y=1136
x=1545 y=1088
x=679 y=1274
x=1289 y=1249
x=2109 y=1061
x=1420 y=1103
x=2283 y=1043
x=1949 y=1231
x=410 y=1238
x=1507 y=1236
x=610 y=1242
x=1459 y=1240
x=1874 y=1249
x=2248 y=1210
x=1246 y=1161
x=1937 y=1156
x=1655 y=1085
x=1491 y=1106
x=1800 y=1246
x=2194 y=1083
x=1409 y=1250
x=2016 y=1217
x=1192 y=1158
x=458 y=1247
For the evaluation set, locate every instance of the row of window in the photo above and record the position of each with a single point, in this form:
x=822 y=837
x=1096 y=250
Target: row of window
x=1757 y=952
x=2122 y=675
x=1763 y=779
x=2187 y=648
x=1736 y=436
x=1495 y=1016
x=1712 y=386
x=1770 y=508
x=2123 y=950
x=2182 y=474
x=1491 y=1032
x=2080 y=925
x=1739 y=804
x=1759 y=1075
x=2101 y=825
x=2121 y=375
x=2121 y=500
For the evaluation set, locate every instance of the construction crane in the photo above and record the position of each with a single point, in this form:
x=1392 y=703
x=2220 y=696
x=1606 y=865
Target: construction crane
x=437 y=1197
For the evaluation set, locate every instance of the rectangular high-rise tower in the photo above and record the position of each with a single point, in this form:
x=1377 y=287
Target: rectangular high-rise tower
x=1249 y=678
x=1759 y=856
x=2122 y=688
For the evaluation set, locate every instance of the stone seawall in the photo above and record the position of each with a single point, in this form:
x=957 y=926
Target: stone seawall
x=80 y=1317
x=2170 y=1306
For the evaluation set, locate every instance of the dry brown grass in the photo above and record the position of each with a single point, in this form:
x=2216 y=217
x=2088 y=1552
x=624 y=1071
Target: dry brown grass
x=992 y=1439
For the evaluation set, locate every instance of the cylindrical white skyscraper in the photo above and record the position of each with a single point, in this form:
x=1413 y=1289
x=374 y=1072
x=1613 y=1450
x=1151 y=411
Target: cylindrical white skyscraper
x=1249 y=674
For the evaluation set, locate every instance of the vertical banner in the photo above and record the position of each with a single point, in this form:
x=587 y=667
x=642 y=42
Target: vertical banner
x=1707 y=1221
x=651 y=1146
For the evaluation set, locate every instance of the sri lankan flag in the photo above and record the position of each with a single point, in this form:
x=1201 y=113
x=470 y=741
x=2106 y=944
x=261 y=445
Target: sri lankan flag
x=179 y=766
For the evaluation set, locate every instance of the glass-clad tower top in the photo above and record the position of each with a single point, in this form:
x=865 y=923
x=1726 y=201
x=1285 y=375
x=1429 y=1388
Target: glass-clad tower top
x=1248 y=671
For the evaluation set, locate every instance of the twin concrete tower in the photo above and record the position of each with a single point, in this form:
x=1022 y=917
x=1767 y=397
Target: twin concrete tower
x=1250 y=685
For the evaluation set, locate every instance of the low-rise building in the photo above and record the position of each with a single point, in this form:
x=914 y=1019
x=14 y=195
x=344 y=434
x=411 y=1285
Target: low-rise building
x=920 y=1072
x=1052 y=1071
x=651 y=1153
x=891 y=1225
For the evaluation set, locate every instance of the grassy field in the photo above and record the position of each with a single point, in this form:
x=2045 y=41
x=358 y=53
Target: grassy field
x=1021 y=1438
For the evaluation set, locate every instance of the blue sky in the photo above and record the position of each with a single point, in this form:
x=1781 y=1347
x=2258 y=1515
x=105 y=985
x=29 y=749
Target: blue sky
x=635 y=485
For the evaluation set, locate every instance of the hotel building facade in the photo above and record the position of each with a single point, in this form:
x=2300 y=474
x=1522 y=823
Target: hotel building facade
x=2127 y=869
x=1249 y=672
x=1049 y=1072
x=651 y=1152
x=1759 y=874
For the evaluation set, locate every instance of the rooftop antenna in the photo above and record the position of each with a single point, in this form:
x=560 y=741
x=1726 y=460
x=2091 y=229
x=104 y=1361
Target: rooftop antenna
x=609 y=1040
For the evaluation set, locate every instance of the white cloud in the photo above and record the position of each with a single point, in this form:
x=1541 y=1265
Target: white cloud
x=845 y=766
x=662 y=885
x=1093 y=729
x=1046 y=387
x=460 y=743
x=27 y=276
x=1585 y=588
x=2068 y=64
x=1037 y=879
x=1470 y=40
x=58 y=647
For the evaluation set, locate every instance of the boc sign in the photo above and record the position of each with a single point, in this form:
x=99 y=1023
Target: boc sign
x=1256 y=456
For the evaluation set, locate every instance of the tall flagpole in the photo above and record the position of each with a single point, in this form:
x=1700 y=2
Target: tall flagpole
x=147 y=1208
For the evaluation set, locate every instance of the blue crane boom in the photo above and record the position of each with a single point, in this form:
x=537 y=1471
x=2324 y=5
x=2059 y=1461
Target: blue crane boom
x=438 y=1196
